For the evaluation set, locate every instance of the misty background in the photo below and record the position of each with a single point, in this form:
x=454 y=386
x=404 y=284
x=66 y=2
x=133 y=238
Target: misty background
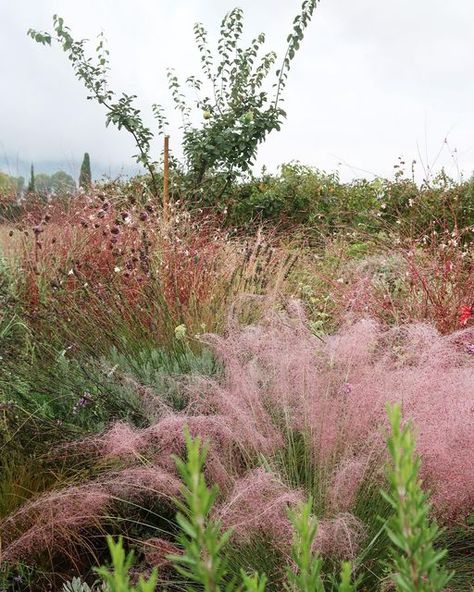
x=373 y=81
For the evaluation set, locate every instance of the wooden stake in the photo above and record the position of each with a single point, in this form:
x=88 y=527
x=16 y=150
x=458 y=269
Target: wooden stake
x=166 y=181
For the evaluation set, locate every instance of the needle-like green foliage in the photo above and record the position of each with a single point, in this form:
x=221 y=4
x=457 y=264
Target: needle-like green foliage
x=202 y=561
x=117 y=579
x=415 y=562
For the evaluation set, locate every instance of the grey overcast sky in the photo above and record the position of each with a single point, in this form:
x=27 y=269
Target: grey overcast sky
x=375 y=79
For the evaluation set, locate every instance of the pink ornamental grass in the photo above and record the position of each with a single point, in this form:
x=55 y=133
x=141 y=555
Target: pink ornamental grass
x=258 y=505
x=52 y=521
x=278 y=369
x=279 y=379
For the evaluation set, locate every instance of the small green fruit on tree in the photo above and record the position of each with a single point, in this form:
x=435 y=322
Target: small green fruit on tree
x=240 y=96
x=239 y=104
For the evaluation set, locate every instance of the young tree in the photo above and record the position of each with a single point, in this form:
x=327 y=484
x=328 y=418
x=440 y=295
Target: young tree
x=237 y=108
x=239 y=97
x=85 y=177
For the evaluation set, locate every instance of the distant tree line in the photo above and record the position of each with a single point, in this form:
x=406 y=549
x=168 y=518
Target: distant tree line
x=43 y=185
x=11 y=185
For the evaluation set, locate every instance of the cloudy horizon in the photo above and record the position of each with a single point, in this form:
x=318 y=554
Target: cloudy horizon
x=371 y=82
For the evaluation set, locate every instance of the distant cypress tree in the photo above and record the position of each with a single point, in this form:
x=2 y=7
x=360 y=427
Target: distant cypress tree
x=31 y=184
x=85 y=177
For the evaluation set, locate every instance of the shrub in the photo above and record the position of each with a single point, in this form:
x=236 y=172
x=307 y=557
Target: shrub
x=426 y=280
x=304 y=195
x=416 y=563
